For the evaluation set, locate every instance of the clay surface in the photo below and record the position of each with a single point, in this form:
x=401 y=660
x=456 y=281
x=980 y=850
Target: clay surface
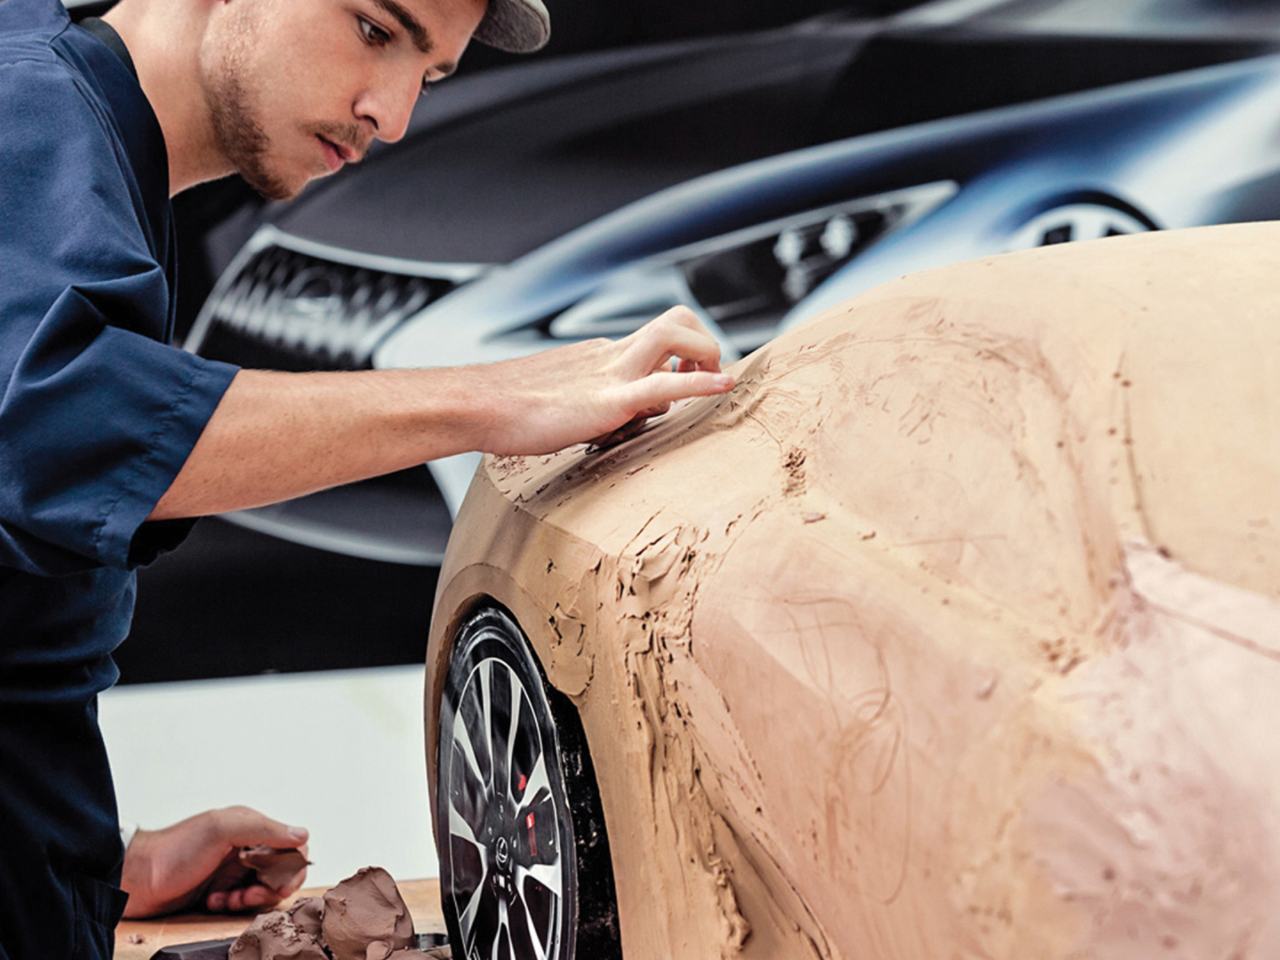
x=275 y=868
x=362 y=918
x=953 y=631
x=273 y=936
x=307 y=914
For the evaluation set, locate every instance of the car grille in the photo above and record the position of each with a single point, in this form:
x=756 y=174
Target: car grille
x=286 y=304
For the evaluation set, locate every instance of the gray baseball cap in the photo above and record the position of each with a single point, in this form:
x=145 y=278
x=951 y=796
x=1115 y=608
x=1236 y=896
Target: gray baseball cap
x=518 y=26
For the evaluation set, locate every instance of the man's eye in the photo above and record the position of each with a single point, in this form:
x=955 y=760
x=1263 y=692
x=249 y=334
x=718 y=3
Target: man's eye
x=374 y=35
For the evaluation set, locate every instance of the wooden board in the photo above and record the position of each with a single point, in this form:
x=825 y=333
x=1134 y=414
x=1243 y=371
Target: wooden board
x=421 y=896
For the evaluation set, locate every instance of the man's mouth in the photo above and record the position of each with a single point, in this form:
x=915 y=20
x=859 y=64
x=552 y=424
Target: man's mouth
x=336 y=154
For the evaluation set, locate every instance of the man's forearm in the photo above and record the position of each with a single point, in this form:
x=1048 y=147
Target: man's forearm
x=276 y=435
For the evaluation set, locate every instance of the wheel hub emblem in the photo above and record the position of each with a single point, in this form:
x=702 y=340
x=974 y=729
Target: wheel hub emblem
x=502 y=853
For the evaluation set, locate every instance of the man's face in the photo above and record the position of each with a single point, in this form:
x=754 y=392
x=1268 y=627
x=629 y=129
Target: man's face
x=297 y=88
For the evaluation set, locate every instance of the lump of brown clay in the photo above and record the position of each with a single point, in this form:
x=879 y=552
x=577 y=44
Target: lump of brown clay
x=275 y=868
x=365 y=917
x=274 y=936
x=362 y=918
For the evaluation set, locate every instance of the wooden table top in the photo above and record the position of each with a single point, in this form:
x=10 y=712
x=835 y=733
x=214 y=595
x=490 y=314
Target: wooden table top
x=140 y=939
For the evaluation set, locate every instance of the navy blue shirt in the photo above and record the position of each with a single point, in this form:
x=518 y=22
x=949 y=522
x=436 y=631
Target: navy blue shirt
x=97 y=416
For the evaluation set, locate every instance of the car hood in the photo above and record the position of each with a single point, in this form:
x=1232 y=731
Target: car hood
x=498 y=163
x=616 y=270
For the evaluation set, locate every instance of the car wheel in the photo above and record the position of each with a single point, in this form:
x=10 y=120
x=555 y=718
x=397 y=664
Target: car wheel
x=524 y=856
x=1076 y=221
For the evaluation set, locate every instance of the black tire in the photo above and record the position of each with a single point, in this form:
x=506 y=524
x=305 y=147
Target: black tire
x=508 y=887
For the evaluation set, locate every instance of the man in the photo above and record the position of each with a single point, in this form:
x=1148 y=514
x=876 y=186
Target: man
x=111 y=440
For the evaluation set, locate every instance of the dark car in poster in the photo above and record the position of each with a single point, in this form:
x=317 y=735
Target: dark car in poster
x=756 y=176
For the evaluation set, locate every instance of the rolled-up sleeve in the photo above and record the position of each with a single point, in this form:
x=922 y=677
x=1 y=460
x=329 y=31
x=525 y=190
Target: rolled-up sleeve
x=97 y=415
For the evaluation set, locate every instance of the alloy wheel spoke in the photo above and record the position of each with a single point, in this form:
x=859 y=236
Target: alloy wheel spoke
x=512 y=728
x=467 y=919
x=486 y=713
x=462 y=737
x=535 y=938
x=458 y=827
x=504 y=923
x=529 y=927
x=547 y=874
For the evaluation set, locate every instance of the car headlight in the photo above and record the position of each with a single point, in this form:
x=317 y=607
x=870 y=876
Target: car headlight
x=744 y=282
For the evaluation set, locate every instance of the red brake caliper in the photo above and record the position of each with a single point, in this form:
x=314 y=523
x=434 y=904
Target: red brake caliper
x=528 y=821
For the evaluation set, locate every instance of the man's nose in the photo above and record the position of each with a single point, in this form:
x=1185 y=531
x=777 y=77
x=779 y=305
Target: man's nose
x=388 y=109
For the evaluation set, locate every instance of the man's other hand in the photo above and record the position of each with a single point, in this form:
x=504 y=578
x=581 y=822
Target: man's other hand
x=195 y=864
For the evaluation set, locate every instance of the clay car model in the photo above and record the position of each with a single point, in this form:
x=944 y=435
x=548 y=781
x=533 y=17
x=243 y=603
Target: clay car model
x=758 y=177
x=954 y=630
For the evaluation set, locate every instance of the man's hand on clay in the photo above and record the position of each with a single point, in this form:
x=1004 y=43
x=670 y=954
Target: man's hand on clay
x=587 y=390
x=276 y=435
x=196 y=864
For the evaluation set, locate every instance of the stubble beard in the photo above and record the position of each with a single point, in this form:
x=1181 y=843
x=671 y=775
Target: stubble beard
x=244 y=143
x=240 y=135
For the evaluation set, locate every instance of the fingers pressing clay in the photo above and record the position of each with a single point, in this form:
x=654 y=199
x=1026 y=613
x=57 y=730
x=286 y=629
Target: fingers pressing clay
x=275 y=868
x=664 y=339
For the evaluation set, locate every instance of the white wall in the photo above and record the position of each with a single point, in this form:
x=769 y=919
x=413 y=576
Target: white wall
x=340 y=753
